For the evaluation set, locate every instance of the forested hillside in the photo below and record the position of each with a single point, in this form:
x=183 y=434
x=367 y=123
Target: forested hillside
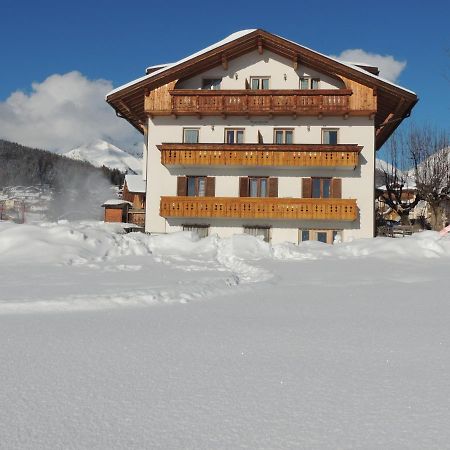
x=20 y=165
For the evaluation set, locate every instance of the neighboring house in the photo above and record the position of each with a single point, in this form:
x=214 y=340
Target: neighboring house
x=134 y=192
x=116 y=210
x=131 y=207
x=261 y=135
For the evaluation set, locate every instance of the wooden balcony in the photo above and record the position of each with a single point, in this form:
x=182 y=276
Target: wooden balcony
x=250 y=102
x=268 y=208
x=261 y=155
x=137 y=216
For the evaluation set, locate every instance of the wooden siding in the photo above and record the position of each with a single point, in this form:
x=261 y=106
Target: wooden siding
x=166 y=101
x=259 y=208
x=114 y=215
x=260 y=155
x=363 y=99
x=137 y=216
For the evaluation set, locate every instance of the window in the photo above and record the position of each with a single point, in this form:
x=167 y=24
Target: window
x=322 y=236
x=201 y=230
x=283 y=136
x=315 y=83
x=196 y=186
x=259 y=82
x=325 y=236
x=190 y=135
x=329 y=136
x=309 y=83
x=304 y=83
x=321 y=187
x=211 y=83
x=258 y=187
x=258 y=231
x=234 y=136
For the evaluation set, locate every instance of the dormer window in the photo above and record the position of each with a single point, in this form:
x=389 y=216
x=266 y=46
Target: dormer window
x=259 y=82
x=309 y=83
x=211 y=83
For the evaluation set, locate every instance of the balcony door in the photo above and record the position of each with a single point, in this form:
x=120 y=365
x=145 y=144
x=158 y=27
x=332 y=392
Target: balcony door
x=259 y=82
x=258 y=187
x=321 y=188
x=196 y=186
x=234 y=136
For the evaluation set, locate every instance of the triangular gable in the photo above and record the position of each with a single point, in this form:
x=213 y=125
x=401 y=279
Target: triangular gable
x=395 y=102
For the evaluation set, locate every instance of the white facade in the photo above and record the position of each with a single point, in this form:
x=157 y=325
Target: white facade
x=356 y=184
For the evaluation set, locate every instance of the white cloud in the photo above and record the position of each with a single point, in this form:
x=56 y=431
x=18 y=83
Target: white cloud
x=63 y=112
x=389 y=67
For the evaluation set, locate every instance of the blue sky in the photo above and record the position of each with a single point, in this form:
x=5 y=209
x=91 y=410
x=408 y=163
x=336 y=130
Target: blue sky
x=116 y=40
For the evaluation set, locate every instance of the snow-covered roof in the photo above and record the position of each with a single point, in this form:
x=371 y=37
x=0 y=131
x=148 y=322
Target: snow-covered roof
x=135 y=183
x=234 y=36
x=351 y=66
x=157 y=66
x=116 y=202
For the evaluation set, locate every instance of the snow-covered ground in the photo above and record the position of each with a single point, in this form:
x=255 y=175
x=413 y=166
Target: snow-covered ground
x=112 y=341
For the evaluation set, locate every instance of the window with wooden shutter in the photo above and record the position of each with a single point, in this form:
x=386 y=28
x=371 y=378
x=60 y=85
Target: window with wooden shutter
x=321 y=188
x=210 y=186
x=306 y=187
x=273 y=187
x=258 y=186
x=197 y=186
x=336 y=188
x=182 y=186
x=243 y=187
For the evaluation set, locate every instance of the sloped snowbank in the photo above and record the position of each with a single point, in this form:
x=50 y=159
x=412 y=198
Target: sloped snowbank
x=428 y=244
x=81 y=242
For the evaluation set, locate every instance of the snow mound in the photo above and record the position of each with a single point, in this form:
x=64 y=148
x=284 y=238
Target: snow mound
x=428 y=244
x=82 y=242
x=77 y=266
x=101 y=153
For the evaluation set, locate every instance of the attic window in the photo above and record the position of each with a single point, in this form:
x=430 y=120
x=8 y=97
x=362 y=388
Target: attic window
x=259 y=82
x=309 y=83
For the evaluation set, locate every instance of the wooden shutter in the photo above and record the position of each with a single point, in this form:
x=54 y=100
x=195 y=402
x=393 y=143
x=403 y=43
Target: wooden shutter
x=243 y=187
x=273 y=187
x=336 y=188
x=182 y=186
x=306 y=187
x=210 y=187
x=247 y=84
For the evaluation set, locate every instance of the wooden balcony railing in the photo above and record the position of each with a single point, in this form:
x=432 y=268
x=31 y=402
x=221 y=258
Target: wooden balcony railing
x=259 y=208
x=249 y=102
x=260 y=155
x=137 y=216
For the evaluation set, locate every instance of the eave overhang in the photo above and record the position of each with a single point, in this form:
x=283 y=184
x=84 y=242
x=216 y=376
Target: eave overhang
x=394 y=102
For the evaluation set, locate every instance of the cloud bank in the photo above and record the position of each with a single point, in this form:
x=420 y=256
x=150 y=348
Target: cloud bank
x=389 y=67
x=63 y=112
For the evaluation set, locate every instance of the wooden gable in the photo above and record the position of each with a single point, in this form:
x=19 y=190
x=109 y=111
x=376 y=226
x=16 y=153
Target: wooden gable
x=392 y=103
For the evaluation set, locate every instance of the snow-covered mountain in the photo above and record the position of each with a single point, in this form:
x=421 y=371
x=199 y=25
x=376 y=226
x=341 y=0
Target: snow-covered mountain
x=101 y=153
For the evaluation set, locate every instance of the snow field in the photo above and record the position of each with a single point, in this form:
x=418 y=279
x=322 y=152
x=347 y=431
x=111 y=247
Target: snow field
x=310 y=346
x=92 y=265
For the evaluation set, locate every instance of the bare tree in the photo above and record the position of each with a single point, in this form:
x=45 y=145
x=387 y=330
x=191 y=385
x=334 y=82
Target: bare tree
x=397 y=178
x=430 y=153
